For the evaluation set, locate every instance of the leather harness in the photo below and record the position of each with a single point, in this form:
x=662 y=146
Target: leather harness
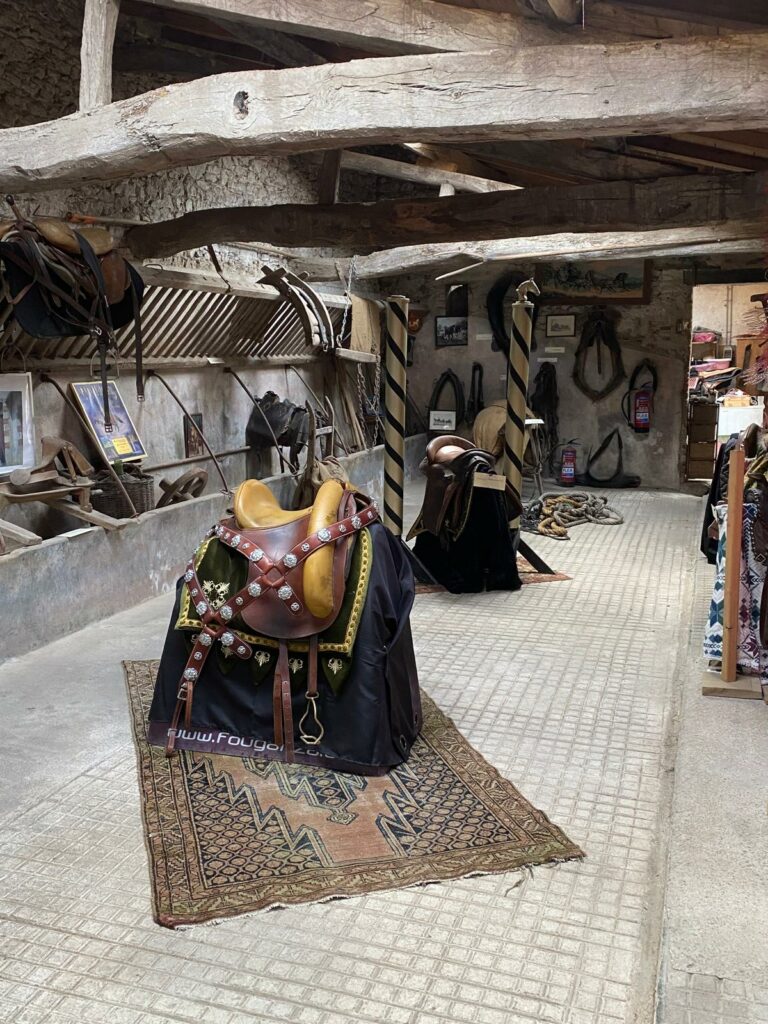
x=275 y=583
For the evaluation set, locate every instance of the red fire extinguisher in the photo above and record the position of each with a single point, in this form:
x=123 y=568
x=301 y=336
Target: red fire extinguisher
x=637 y=402
x=568 y=467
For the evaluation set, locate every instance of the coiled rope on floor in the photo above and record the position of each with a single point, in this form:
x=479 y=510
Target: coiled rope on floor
x=554 y=513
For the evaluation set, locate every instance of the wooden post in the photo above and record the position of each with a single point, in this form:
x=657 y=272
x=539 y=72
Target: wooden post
x=99 y=26
x=517 y=388
x=732 y=564
x=396 y=343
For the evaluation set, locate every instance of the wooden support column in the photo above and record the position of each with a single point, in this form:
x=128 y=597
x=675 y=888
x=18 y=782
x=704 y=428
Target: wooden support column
x=328 y=179
x=99 y=26
x=396 y=343
x=517 y=388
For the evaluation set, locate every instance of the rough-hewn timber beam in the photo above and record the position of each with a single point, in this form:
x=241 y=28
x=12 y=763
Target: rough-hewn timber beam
x=381 y=26
x=423 y=259
x=610 y=206
x=99 y=26
x=418 y=174
x=566 y=92
x=567 y=12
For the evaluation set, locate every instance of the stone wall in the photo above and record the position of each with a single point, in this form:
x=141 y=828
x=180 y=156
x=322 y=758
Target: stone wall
x=658 y=330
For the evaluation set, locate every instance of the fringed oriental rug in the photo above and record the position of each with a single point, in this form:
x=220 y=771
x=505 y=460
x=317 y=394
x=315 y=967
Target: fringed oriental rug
x=229 y=835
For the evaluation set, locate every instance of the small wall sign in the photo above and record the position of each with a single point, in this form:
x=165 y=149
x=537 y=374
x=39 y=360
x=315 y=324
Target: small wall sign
x=442 y=419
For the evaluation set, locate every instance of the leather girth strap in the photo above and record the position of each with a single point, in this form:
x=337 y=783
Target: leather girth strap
x=281 y=702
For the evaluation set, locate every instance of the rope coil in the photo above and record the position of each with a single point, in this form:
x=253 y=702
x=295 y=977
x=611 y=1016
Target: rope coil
x=554 y=513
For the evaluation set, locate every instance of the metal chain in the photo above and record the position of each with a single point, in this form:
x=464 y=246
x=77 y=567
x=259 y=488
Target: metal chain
x=348 y=306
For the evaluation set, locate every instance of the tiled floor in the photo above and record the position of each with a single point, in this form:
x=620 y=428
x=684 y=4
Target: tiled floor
x=571 y=689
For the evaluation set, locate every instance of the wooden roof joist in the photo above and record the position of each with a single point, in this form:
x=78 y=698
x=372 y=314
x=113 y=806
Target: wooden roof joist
x=610 y=206
x=569 y=91
x=718 y=237
x=386 y=26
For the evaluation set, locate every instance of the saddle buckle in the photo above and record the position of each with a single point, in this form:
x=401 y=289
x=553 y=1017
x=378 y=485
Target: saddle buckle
x=308 y=738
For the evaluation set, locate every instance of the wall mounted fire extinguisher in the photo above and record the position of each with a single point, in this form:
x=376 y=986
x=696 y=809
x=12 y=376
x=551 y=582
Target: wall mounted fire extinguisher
x=637 y=401
x=568 y=465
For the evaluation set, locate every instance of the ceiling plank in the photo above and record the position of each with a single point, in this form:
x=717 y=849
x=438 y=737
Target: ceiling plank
x=694 y=153
x=424 y=259
x=570 y=91
x=383 y=26
x=420 y=175
x=733 y=14
x=611 y=206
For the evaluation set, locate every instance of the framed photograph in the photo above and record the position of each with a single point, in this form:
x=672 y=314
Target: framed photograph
x=17 y=424
x=451 y=330
x=193 y=444
x=561 y=326
x=622 y=282
x=124 y=443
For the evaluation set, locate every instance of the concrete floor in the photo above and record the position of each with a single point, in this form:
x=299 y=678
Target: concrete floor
x=584 y=693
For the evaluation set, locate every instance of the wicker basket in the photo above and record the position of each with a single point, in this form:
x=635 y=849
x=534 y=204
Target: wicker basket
x=111 y=501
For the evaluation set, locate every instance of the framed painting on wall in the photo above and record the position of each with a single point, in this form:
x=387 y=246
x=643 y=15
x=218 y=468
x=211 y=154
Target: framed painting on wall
x=451 y=330
x=123 y=444
x=604 y=283
x=17 y=424
x=561 y=325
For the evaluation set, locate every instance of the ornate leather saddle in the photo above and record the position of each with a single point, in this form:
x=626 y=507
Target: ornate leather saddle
x=61 y=282
x=450 y=465
x=292 y=586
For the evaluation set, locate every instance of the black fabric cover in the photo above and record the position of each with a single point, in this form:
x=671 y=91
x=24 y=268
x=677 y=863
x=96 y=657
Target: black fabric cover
x=483 y=557
x=717 y=492
x=370 y=725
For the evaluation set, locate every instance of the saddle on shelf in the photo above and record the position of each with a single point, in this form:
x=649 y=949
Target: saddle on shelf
x=315 y=601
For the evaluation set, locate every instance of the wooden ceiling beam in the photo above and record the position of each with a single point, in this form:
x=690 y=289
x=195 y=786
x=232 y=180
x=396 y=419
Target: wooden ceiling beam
x=612 y=206
x=427 y=259
x=733 y=14
x=694 y=153
x=420 y=175
x=568 y=92
x=383 y=26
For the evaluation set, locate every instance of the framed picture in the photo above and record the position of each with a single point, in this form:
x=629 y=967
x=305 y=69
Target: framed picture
x=608 y=282
x=442 y=420
x=451 y=330
x=193 y=443
x=124 y=443
x=561 y=325
x=17 y=424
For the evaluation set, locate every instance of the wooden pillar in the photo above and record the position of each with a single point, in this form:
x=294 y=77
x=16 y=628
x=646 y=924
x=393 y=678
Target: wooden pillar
x=396 y=343
x=733 y=535
x=517 y=387
x=99 y=26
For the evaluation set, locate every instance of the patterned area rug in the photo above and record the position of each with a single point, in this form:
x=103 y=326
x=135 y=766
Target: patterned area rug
x=229 y=835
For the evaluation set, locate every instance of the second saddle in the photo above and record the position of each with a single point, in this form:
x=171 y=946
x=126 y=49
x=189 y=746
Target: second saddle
x=462 y=531
x=315 y=600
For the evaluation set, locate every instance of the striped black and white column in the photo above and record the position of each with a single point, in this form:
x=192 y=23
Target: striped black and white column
x=517 y=388
x=396 y=343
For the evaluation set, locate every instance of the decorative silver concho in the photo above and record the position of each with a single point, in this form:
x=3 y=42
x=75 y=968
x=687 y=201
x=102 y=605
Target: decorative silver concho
x=198 y=655
x=289 y=561
x=342 y=528
x=357 y=522
x=190 y=674
x=227 y=639
x=205 y=639
x=285 y=592
x=189 y=575
x=226 y=612
x=254 y=589
x=201 y=608
x=295 y=607
x=324 y=535
x=242 y=650
x=235 y=542
x=256 y=555
x=238 y=600
x=305 y=547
